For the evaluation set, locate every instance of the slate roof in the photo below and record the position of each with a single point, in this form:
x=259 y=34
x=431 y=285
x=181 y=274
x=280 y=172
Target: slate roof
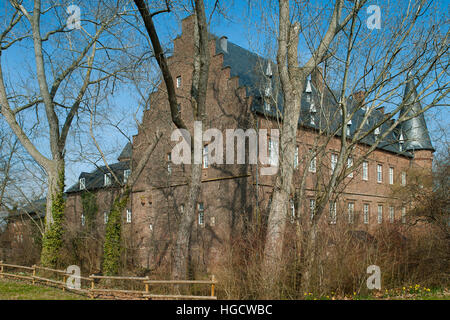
x=126 y=152
x=256 y=72
x=95 y=180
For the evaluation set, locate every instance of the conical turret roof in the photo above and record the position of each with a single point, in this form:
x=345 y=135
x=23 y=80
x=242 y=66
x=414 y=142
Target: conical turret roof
x=414 y=130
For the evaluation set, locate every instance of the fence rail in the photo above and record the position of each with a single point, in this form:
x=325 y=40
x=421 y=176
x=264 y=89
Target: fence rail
x=92 y=279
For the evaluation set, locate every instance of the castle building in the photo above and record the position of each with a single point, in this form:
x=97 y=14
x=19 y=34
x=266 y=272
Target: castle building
x=243 y=92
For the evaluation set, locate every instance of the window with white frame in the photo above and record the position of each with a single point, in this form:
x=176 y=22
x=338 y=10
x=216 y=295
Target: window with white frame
x=365 y=173
x=312 y=163
x=334 y=159
x=126 y=175
x=351 y=212
x=182 y=208
x=403 y=178
x=380 y=214
x=83 y=220
x=82 y=184
x=178 y=81
x=296 y=158
x=391 y=214
x=107 y=179
x=312 y=207
x=379 y=173
x=292 y=209
x=105 y=217
x=267 y=106
x=366 y=213
x=349 y=165
x=169 y=163
x=201 y=214
x=403 y=215
x=333 y=212
x=377 y=131
x=213 y=221
x=128 y=216
x=150 y=226
x=391 y=175
x=273 y=152
x=205 y=157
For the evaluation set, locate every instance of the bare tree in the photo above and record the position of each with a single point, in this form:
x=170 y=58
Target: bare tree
x=345 y=50
x=63 y=77
x=198 y=100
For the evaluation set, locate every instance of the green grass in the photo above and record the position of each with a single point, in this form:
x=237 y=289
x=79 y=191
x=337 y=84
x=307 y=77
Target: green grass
x=15 y=290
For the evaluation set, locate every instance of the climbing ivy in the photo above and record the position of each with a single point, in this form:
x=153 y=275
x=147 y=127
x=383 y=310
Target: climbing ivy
x=52 y=240
x=90 y=208
x=112 y=248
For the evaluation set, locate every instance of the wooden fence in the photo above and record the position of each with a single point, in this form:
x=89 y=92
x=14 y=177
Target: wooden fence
x=41 y=274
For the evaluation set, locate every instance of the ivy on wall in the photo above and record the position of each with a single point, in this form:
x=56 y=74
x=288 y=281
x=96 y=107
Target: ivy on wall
x=112 y=249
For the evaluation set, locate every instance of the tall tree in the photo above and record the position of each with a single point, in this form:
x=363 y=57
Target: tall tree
x=198 y=103
x=67 y=62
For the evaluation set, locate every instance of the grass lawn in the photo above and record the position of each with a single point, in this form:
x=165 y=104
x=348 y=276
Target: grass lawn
x=15 y=290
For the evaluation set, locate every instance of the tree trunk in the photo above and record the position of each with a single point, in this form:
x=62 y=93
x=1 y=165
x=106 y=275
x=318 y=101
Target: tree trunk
x=181 y=255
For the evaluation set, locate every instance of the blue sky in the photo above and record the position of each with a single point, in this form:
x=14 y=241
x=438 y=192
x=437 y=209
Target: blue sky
x=243 y=25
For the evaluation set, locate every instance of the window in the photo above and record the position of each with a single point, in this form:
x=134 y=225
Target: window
x=107 y=179
x=273 y=152
x=126 y=175
x=128 y=216
x=334 y=159
x=178 y=81
x=348 y=130
x=169 y=163
x=296 y=158
x=213 y=221
x=379 y=173
x=312 y=164
x=333 y=212
x=201 y=214
x=391 y=175
x=267 y=106
x=292 y=208
x=365 y=173
x=182 y=208
x=313 y=119
x=380 y=213
x=403 y=215
x=205 y=157
x=366 y=213
x=351 y=211
x=349 y=165
x=150 y=226
x=403 y=178
x=105 y=217
x=83 y=220
x=312 y=207
x=82 y=183
x=377 y=131
x=391 y=214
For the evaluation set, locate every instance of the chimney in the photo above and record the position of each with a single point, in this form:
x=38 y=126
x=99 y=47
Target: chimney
x=223 y=41
x=317 y=78
x=359 y=97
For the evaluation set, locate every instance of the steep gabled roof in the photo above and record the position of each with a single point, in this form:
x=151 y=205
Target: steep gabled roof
x=95 y=179
x=252 y=72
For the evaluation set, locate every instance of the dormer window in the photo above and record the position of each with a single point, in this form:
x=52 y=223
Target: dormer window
x=82 y=184
x=312 y=107
x=377 y=131
x=401 y=141
x=267 y=106
x=349 y=124
x=126 y=175
x=107 y=179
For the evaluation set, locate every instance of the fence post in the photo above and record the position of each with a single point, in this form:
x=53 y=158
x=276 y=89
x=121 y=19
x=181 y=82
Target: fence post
x=34 y=273
x=213 y=279
x=147 y=286
x=92 y=286
x=1 y=269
